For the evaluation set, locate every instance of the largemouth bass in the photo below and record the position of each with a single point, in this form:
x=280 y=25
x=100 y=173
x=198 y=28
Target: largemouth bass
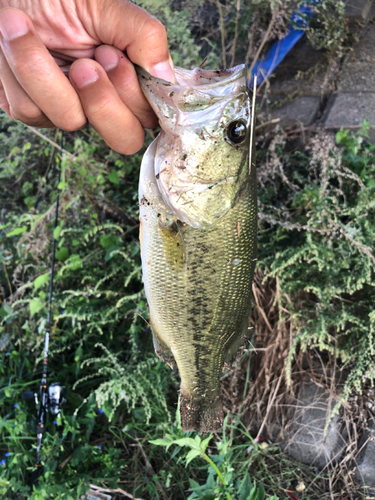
x=197 y=200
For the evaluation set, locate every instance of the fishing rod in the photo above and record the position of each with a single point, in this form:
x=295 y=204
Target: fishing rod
x=53 y=397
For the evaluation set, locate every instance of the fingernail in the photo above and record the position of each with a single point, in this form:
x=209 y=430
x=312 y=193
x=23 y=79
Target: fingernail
x=83 y=74
x=163 y=70
x=12 y=25
x=107 y=57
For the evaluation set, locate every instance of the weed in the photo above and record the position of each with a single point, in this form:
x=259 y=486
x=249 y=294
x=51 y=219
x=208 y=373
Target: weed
x=223 y=480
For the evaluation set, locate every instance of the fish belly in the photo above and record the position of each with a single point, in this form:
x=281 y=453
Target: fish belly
x=198 y=286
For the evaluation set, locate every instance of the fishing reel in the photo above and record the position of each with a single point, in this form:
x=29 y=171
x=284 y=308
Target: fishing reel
x=51 y=400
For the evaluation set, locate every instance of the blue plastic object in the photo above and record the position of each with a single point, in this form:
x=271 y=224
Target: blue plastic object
x=264 y=67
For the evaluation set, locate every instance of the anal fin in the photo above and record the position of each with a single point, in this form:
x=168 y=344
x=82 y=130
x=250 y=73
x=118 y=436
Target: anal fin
x=235 y=348
x=162 y=350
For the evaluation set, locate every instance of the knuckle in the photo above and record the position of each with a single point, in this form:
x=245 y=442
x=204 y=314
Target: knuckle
x=31 y=115
x=74 y=128
x=71 y=125
x=70 y=120
x=5 y=108
x=154 y=32
x=29 y=61
x=149 y=120
x=125 y=149
x=133 y=145
x=4 y=105
x=101 y=108
x=125 y=144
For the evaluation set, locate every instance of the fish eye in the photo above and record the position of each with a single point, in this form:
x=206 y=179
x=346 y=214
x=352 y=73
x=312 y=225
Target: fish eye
x=236 y=132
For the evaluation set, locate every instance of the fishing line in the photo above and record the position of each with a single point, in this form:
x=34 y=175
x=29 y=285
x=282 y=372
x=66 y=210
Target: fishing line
x=252 y=122
x=50 y=398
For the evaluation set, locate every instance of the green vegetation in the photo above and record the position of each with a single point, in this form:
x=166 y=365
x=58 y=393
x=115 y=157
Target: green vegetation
x=316 y=238
x=119 y=428
x=315 y=204
x=120 y=396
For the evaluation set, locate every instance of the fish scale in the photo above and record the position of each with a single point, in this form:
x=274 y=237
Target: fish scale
x=198 y=278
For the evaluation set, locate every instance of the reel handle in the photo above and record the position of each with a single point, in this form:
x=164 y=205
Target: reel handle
x=28 y=395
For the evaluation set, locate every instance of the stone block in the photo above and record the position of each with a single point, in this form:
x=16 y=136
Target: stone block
x=348 y=110
x=365 y=470
x=306 y=440
x=303 y=109
x=359 y=9
x=305 y=70
x=358 y=73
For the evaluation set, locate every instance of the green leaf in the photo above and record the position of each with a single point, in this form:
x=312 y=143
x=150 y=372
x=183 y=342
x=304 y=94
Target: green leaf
x=78 y=455
x=198 y=440
x=113 y=177
x=109 y=253
x=245 y=488
x=205 y=442
x=261 y=492
x=62 y=254
x=62 y=185
x=19 y=230
x=5 y=310
x=160 y=442
x=341 y=135
x=254 y=494
x=108 y=240
x=56 y=232
x=193 y=483
x=192 y=454
x=75 y=262
x=41 y=280
x=192 y=443
x=139 y=413
x=35 y=306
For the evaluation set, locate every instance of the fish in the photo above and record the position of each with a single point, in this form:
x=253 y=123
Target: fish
x=198 y=224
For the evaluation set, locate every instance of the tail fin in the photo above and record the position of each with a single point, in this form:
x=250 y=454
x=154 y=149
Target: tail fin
x=200 y=414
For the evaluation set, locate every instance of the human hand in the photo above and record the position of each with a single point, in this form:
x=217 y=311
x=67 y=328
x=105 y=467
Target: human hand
x=43 y=42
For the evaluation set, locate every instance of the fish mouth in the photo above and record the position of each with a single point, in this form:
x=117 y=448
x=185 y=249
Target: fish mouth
x=196 y=77
x=195 y=90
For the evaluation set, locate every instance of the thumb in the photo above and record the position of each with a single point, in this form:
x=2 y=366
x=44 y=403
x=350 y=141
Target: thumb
x=130 y=28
